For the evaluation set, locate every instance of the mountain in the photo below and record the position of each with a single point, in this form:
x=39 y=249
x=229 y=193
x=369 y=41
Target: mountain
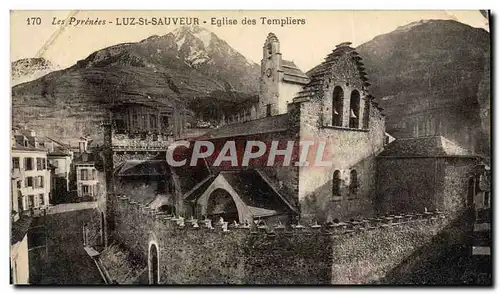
x=188 y=63
x=29 y=69
x=432 y=78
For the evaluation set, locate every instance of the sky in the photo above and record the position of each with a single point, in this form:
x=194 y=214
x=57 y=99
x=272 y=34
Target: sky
x=306 y=44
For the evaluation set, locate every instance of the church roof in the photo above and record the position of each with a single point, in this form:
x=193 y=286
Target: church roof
x=257 y=194
x=270 y=124
x=432 y=146
x=323 y=70
x=292 y=73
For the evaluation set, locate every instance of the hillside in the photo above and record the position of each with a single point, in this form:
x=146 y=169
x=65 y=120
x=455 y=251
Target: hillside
x=29 y=69
x=432 y=77
x=189 y=63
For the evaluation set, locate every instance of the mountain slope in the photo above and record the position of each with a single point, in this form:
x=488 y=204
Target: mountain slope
x=29 y=69
x=186 y=64
x=432 y=77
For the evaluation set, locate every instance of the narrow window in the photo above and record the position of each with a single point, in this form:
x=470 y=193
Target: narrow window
x=336 y=184
x=486 y=202
x=470 y=191
x=31 y=199
x=153 y=264
x=40 y=200
x=354 y=110
x=28 y=163
x=338 y=105
x=39 y=164
x=268 y=110
x=152 y=122
x=354 y=185
x=29 y=181
x=15 y=162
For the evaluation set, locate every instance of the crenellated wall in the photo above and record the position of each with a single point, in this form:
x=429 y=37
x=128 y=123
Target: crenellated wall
x=199 y=252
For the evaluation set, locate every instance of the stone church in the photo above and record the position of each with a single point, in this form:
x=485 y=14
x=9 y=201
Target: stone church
x=331 y=104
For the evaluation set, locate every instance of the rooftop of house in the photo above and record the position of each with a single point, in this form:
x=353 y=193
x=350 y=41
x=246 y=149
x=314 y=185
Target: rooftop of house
x=431 y=146
x=19 y=229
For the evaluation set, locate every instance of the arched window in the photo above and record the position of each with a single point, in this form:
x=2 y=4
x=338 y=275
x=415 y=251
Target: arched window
x=337 y=108
x=354 y=110
x=336 y=184
x=354 y=185
x=153 y=264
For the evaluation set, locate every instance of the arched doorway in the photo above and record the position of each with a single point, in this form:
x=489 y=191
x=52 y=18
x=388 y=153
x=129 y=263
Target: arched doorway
x=221 y=204
x=153 y=264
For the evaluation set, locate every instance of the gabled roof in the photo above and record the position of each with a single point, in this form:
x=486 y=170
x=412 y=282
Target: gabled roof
x=319 y=73
x=256 y=192
x=292 y=73
x=270 y=124
x=432 y=146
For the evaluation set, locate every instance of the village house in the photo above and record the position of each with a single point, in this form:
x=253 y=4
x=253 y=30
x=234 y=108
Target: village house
x=30 y=172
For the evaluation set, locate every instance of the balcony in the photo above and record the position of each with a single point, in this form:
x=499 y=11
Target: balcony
x=149 y=142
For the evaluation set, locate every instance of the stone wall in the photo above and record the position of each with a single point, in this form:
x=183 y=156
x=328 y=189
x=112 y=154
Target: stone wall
x=408 y=184
x=347 y=149
x=413 y=184
x=195 y=252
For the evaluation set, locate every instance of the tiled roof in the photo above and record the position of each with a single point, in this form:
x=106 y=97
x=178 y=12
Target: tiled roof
x=20 y=229
x=433 y=146
x=292 y=73
x=276 y=123
x=256 y=192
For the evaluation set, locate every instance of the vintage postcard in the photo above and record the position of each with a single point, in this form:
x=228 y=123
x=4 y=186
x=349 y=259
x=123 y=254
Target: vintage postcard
x=250 y=147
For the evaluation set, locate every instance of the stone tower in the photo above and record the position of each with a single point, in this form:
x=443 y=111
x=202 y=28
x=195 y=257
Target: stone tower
x=270 y=77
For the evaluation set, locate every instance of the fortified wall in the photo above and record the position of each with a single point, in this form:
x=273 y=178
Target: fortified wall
x=355 y=252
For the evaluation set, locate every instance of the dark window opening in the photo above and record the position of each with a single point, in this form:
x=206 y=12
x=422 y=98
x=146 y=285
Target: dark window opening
x=153 y=122
x=268 y=110
x=120 y=125
x=338 y=106
x=354 y=110
x=153 y=264
x=336 y=184
x=15 y=162
x=486 y=201
x=354 y=185
x=470 y=191
x=29 y=181
x=28 y=163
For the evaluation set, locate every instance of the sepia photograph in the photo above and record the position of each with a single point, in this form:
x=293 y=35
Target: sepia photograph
x=251 y=147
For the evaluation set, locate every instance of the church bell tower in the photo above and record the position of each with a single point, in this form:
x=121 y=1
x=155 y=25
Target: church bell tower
x=270 y=77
